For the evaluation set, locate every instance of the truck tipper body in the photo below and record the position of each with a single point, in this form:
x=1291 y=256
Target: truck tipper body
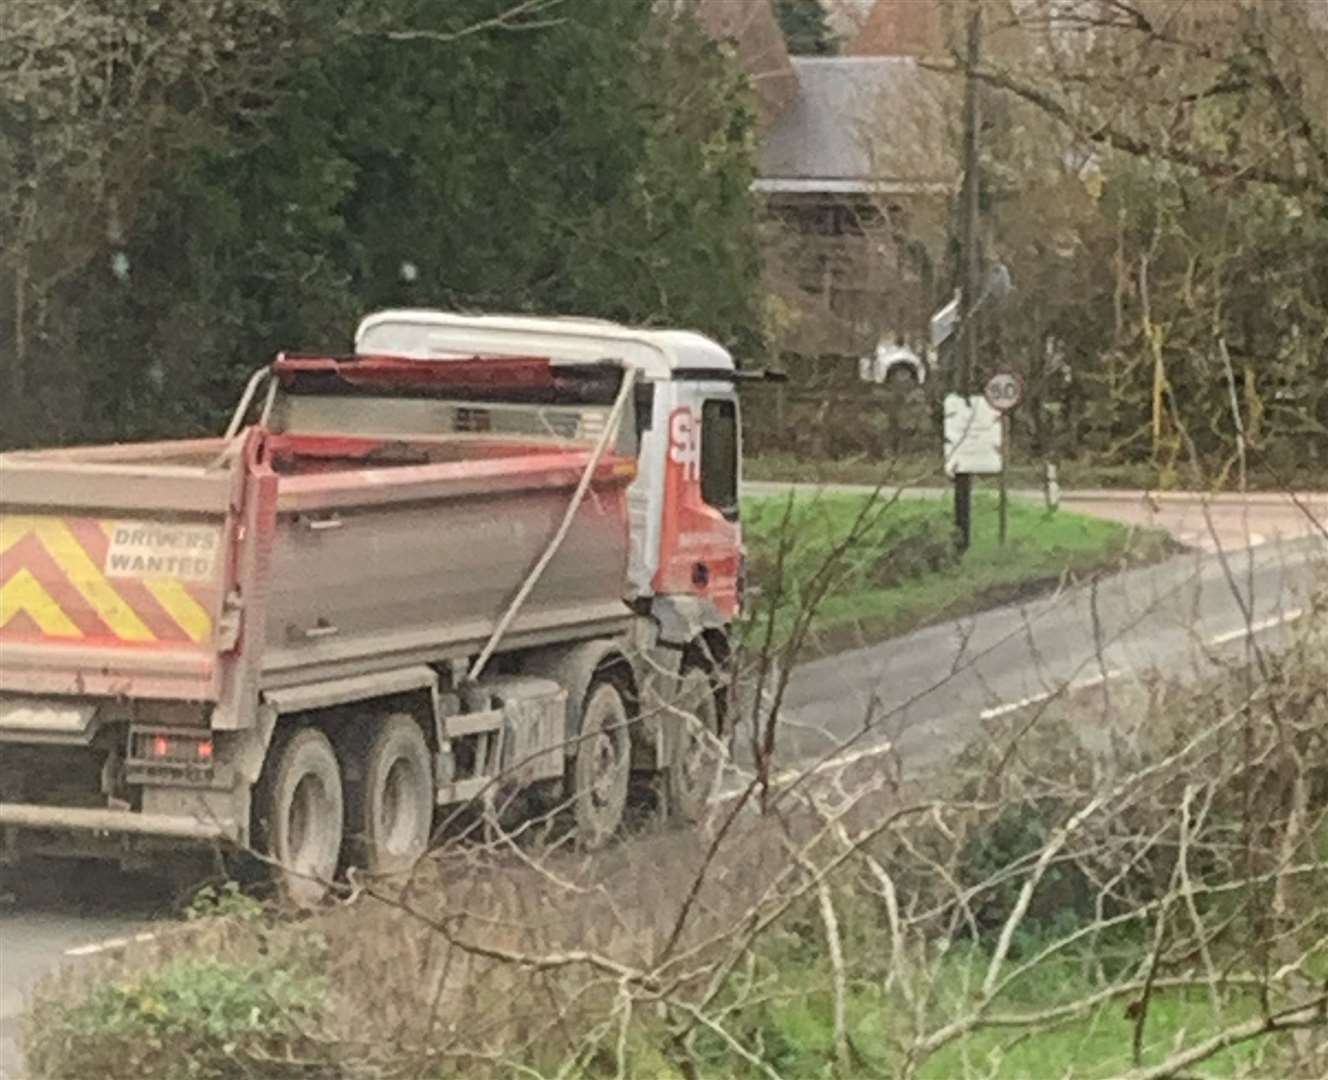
x=480 y=556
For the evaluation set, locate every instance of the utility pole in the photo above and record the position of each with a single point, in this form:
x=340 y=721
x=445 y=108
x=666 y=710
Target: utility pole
x=969 y=245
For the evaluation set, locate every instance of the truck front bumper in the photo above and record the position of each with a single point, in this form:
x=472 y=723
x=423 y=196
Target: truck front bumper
x=120 y=822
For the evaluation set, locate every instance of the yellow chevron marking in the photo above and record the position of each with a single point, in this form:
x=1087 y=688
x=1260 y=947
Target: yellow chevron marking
x=84 y=575
x=13 y=529
x=24 y=593
x=183 y=608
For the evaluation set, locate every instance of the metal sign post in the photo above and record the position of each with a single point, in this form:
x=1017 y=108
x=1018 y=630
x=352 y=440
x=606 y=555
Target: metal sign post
x=1003 y=514
x=1003 y=392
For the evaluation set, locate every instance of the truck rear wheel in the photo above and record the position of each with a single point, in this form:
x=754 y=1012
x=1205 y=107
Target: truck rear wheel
x=694 y=753
x=300 y=811
x=391 y=813
x=599 y=773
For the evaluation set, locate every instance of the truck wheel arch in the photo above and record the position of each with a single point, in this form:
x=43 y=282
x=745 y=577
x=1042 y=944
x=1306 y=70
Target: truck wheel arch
x=682 y=620
x=712 y=651
x=575 y=669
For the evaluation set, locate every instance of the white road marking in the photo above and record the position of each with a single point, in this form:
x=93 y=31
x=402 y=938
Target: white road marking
x=841 y=761
x=1014 y=706
x=995 y=711
x=1270 y=623
x=1038 y=699
x=786 y=776
x=110 y=944
x=1205 y=541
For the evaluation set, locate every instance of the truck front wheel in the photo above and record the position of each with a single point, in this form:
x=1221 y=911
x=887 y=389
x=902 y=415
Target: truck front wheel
x=391 y=812
x=599 y=772
x=695 y=752
x=300 y=814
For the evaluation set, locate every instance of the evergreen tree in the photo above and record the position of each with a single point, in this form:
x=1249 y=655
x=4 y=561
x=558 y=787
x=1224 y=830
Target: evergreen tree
x=806 y=27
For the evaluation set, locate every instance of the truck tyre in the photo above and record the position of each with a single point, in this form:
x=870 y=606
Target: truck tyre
x=300 y=812
x=390 y=813
x=693 y=745
x=598 y=774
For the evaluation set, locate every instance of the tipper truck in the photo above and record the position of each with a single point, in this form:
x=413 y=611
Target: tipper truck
x=480 y=556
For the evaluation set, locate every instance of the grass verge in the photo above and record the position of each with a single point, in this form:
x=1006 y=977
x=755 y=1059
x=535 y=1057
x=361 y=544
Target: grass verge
x=797 y=1026
x=902 y=570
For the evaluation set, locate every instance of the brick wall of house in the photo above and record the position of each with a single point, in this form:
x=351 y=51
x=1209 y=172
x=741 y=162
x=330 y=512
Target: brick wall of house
x=900 y=28
x=754 y=31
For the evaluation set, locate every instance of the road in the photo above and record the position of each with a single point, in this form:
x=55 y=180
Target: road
x=73 y=907
x=923 y=692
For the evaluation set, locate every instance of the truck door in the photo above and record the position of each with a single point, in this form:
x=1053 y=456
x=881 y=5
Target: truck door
x=700 y=537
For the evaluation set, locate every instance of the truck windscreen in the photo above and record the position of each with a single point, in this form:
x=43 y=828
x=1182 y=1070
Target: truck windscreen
x=424 y=418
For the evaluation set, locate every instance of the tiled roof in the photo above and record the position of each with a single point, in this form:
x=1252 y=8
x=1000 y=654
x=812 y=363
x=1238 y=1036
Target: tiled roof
x=860 y=122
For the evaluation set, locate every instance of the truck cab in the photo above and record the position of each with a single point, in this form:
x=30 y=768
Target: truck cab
x=685 y=532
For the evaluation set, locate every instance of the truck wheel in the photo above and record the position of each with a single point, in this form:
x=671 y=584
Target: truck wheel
x=391 y=813
x=602 y=766
x=301 y=813
x=694 y=753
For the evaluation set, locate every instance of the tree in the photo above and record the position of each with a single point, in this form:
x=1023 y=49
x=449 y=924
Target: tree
x=1152 y=176
x=597 y=161
x=1207 y=130
x=806 y=27
x=96 y=103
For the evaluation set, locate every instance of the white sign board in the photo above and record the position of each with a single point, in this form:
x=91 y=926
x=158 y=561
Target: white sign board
x=1004 y=390
x=973 y=436
x=145 y=550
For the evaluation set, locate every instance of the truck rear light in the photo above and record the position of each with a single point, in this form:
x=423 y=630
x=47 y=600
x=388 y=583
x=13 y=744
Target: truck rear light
x=170 y=747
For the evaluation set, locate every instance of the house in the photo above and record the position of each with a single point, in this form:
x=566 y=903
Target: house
x=857 y=173
x=899 y=28
x=856 y=167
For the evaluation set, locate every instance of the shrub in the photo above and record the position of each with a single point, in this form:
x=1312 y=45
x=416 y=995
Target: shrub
x=996 y=860
x=196 y=1017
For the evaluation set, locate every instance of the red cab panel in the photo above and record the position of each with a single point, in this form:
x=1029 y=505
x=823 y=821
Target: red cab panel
x=700 y=538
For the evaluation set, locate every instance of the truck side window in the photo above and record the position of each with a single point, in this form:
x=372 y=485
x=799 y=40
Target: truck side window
x=644 y=409
x=719 y=456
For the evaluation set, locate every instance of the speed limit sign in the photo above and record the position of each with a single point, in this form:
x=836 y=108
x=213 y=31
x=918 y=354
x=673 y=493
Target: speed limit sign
x=1004 y=391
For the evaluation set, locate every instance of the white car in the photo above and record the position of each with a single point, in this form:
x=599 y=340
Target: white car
x=897 y=365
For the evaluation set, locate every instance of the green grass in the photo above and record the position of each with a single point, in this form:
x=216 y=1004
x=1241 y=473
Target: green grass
x=789 y=1015
x=1099 y=1043
x=903 y=571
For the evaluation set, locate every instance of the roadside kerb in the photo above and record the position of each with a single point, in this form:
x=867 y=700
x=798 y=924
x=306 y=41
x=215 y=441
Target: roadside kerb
x=1315 y=500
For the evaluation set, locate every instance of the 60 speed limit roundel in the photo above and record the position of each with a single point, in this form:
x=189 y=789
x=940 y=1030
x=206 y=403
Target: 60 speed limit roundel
x=1004 y=391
